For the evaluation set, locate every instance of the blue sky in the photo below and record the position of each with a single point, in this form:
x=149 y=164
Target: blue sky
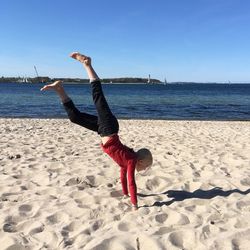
x=182 y=40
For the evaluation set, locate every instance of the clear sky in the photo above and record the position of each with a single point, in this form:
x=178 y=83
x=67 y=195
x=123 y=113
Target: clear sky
x=182 y=40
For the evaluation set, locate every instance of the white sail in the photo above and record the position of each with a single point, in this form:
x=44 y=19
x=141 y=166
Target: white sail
x=149 y=79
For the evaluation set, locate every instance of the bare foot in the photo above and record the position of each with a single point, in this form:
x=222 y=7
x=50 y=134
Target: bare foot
x=57 y=86
x=81 y=58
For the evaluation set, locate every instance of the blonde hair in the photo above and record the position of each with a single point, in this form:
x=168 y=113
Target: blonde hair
x=144 y=153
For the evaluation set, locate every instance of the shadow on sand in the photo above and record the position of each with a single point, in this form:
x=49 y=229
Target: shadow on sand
x=180 y=195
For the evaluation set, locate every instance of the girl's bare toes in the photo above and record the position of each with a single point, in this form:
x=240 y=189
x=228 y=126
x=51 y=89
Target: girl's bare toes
x=81 y=58
x=74 y=54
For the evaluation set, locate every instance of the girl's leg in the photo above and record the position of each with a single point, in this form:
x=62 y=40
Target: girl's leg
x=107 y=122
x=83 y=119
x=58 y=88
x=75 y=116
x=86 y=62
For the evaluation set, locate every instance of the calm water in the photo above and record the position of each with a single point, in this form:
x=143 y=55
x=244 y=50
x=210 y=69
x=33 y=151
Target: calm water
x=173 y=101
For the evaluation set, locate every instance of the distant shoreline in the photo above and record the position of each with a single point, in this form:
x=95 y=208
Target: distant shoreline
x=133 y=83
x=121 y=80
x=77 y=80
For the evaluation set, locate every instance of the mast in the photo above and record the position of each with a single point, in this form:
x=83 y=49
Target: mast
x=36 y=71
x=37 y=76
x=165 y=81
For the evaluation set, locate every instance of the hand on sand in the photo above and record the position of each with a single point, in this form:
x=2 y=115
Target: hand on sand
x=125 y=196
x=81 y=58
x=55 y=86
x=135 y=207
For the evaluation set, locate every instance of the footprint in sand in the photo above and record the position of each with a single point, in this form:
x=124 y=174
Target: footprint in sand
x=161 y=218
x=91 y=180
x=245 y=182
x=16 y=247
x=241 y=223
x=88 y=182
x=183 y=240
x=25 y=208
x=73 y=181
x=57 y=217
x=49 y=239
x=144 y=211
x=124 y=227
x=68 y=242
x=243 y=205
x=116 y=194
x=36 y=228
x=206 y=232
x=183 y=220
x=23 y=188
x=224 y=244
x=103 y=245
x=73 y=226
x=9 y=227
x=117 y=217
x=163 y=230
x=96 y=225
x=241 y=243
x=156 y=183
x=65 y=233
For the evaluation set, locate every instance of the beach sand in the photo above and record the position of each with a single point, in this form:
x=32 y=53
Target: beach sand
x=58 y=190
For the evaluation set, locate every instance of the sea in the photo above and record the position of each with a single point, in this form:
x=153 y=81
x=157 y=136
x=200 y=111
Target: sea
x=133 y=101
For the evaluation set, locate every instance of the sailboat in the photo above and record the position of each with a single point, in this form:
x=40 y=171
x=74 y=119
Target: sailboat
x=28 y=80
x=24 y=80
x=165 y=81
x=149 y=79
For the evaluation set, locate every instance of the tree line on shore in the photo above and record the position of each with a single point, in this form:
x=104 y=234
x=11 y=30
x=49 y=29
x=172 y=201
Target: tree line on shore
x=75 y=80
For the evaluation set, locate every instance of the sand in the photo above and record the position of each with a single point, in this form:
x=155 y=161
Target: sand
x=58 y=190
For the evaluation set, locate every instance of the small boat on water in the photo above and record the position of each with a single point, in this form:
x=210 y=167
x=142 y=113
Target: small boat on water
x=24 y=80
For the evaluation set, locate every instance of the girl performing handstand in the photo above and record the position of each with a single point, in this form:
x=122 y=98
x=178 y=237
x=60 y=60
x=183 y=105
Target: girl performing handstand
x=106 y=125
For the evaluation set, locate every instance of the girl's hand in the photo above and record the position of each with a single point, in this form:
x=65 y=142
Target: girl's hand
x=135 y=207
